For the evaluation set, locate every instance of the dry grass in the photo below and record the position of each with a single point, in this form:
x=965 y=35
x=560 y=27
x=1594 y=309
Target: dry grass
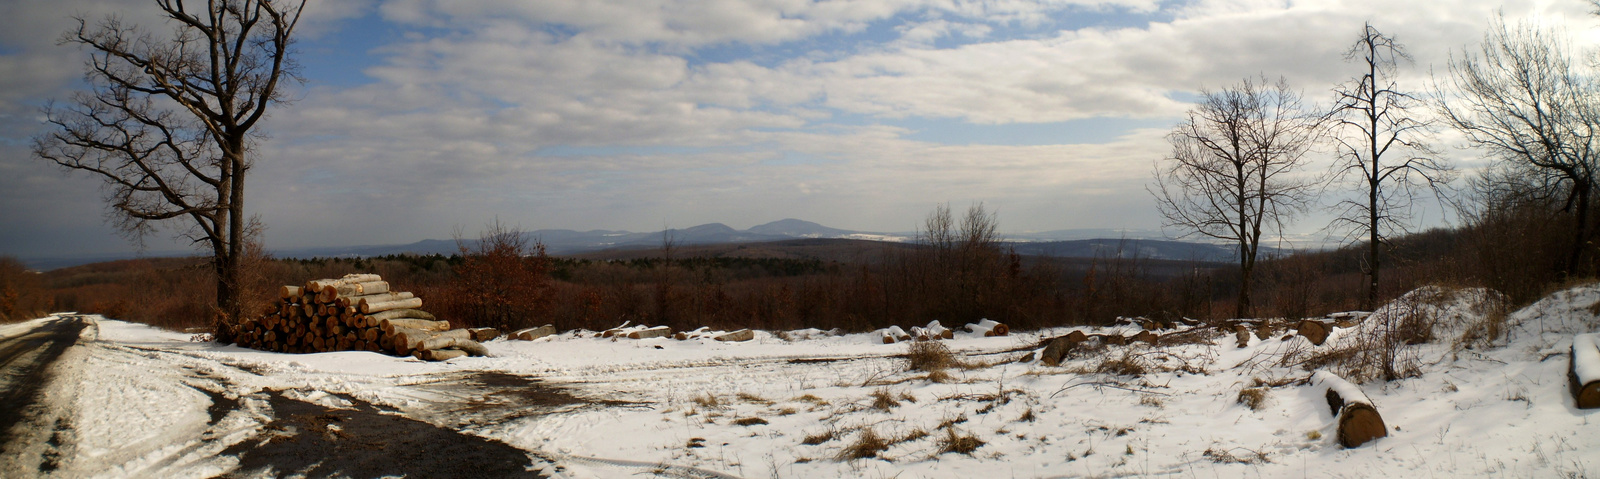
x=750 y=421
x=939 y=376
x=930 y=356
x=958 y=443
x=1028 y=416
x=866 y=446
x=751 y=398
x=884 y=400
x=1152 y=401
x=1245 y=456
x=1253 y=398
x=819 y=438
x=707 y=401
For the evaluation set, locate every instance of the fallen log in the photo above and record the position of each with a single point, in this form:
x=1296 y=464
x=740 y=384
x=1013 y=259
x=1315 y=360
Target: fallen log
x=406 y=340
x=936 y=329
x=1359 y=422
x=289 y=293
x=1314 y=331
x=736 y=336
x=653 y=332
x=1583 y=371
x=453 y=342
x=484 y=334
x=438 y=354
x=531 y=334
x=899 y=334
x=988 y=327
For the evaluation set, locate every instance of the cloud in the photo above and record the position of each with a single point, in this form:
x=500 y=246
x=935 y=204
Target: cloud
x=631 y=114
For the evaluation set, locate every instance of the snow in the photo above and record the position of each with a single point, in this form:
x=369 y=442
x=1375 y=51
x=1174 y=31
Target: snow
x=138 y=398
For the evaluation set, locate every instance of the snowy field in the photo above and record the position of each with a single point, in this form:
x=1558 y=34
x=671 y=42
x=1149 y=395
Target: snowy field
x=133 y=401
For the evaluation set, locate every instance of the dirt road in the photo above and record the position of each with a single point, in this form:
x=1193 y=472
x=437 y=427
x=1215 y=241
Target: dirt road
x=24 y=358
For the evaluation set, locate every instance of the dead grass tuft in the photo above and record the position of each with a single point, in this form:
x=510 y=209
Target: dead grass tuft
x=750 y=421
x=867 y=445
x=708 y=401
x=819 y=438
x=884 y=400
x=751 y=398
x=1253 y=398
x=958 y=443
x=930 y=356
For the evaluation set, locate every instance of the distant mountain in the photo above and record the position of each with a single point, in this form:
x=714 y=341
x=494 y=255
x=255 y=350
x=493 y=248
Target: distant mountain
x=1077 y=243
x=794 y=228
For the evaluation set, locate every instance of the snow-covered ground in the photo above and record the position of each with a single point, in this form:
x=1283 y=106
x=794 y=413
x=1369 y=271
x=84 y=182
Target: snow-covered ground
x=138 y=402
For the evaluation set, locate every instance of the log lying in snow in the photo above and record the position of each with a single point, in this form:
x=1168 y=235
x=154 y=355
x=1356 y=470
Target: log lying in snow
x=1584 y=370
x=438 y=354
x=1314 y=331
x=936 y=329
x=1359 y=421
x=1147 y=337
x=654 y=332
x=531 y=334
x=735 y=336
x=452 y=342
x=989 y=327
x=484 y=334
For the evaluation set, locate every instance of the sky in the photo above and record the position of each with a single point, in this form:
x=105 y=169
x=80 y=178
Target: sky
x=419 y=118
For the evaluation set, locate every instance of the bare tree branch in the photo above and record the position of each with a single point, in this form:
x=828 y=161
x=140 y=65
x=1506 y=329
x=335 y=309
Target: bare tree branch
x=167 y=122
x=1234 y=169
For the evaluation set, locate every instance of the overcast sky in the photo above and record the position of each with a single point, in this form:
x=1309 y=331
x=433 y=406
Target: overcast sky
x=420 y=116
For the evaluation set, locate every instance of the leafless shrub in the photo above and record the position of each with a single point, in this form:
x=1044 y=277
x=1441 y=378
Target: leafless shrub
x=1379 y=347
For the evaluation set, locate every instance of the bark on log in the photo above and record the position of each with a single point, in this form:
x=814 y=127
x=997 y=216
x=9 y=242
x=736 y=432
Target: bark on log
x=400 y=314
x=389 y=325
x=740 y=335
x=484 y=334
x=454 y=342
x=438 y=354
x=654 y=332
x=531 y=334
x=372 y=298
x=1314 y=331
x=369 y=308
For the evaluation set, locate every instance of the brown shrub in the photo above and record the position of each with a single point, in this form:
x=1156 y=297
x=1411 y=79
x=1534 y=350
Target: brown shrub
x=867 y=445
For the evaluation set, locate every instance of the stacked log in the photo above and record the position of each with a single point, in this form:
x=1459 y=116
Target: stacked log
x=357 y=312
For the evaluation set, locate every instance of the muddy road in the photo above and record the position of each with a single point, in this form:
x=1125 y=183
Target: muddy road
x=24 y=360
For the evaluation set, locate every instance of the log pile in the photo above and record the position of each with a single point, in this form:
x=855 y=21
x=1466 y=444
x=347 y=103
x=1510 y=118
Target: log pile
x=357 y=312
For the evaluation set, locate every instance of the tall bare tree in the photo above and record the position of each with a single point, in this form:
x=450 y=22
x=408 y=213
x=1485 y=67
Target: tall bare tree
x=1530 y=105
x=1381 y=141
x=169 y=121
x=1234 y=171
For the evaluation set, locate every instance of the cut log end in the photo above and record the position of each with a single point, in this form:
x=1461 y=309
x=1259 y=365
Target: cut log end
x=1359 y=423
x=1314 y=331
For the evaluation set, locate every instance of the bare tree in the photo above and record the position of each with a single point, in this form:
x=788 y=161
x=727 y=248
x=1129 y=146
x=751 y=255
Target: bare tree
x=1527 y=103
x=1234 y=169
x=169 y=121
x=1380 y=139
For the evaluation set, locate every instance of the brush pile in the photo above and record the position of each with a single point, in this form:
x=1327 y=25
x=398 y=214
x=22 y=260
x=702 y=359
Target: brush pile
x=358 y=313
